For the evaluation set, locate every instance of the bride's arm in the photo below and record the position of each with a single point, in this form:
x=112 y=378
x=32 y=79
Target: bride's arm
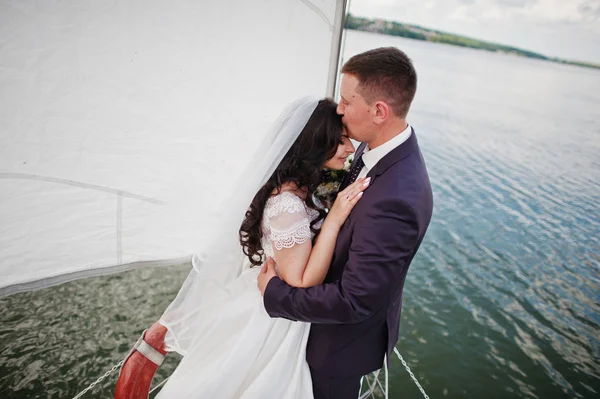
x=303 y=265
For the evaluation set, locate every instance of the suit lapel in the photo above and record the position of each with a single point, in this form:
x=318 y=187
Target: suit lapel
x=397 y=154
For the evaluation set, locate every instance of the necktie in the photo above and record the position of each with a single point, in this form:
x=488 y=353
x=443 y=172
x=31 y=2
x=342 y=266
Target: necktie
x=357 y=166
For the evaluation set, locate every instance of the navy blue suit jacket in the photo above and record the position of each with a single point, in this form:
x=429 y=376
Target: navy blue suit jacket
x=355 y=313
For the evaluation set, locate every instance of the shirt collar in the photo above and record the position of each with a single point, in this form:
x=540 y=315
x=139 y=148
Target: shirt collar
x=371 y=157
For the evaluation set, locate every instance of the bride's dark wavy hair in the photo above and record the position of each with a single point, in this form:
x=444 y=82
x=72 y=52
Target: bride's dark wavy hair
x=316 y=144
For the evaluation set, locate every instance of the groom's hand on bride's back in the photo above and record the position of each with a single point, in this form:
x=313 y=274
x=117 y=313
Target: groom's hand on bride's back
x=266 y=274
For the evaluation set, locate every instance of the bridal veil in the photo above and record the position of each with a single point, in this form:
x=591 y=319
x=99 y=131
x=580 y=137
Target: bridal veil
x=220 y=259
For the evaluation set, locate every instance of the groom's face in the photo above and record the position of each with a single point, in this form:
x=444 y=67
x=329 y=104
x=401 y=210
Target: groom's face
x=356 y=113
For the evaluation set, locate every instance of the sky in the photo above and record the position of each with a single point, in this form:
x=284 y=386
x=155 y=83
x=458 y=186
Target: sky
x=567 y=29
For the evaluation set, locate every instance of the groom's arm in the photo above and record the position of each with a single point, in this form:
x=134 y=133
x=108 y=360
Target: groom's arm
x=382 y=245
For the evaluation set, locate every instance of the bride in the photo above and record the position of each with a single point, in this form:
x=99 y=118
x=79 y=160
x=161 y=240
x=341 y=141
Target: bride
x=231 y=347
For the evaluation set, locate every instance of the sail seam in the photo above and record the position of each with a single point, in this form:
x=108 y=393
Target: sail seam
x=25 y=176
x=119 y=228
x=96 y=272
x=318 y=11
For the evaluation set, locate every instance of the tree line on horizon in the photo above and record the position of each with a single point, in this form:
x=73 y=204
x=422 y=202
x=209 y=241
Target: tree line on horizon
x=416 y=32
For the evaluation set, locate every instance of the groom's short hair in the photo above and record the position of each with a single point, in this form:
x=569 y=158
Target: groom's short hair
x=386 y=74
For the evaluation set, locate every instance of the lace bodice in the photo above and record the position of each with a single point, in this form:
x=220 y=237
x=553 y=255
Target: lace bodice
x=286 y=222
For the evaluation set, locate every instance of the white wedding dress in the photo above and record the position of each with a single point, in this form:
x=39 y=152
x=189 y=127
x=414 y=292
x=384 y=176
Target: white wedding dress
x=237 y=351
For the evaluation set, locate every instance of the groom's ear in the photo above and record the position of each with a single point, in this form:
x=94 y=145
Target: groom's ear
x=381 y=112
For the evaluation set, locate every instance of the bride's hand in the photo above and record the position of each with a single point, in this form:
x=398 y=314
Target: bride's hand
x=345 y=201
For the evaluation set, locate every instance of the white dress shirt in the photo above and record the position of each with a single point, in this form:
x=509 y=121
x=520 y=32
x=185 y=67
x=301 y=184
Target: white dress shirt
x=371 y=157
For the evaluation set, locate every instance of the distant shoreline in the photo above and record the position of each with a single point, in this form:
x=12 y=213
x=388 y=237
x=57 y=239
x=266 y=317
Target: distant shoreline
x=393 y=28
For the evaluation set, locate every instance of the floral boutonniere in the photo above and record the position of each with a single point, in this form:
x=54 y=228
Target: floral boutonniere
x=327 y=191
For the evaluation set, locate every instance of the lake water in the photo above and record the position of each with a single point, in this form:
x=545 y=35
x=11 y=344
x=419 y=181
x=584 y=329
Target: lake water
x=503 y=299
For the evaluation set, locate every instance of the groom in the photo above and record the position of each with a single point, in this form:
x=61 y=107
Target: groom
x=355 y=313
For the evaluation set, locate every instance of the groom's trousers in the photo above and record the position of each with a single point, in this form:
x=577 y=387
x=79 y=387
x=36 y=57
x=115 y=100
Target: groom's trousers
x=334 y=388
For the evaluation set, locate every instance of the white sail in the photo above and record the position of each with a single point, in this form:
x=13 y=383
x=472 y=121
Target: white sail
x=118 y=121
